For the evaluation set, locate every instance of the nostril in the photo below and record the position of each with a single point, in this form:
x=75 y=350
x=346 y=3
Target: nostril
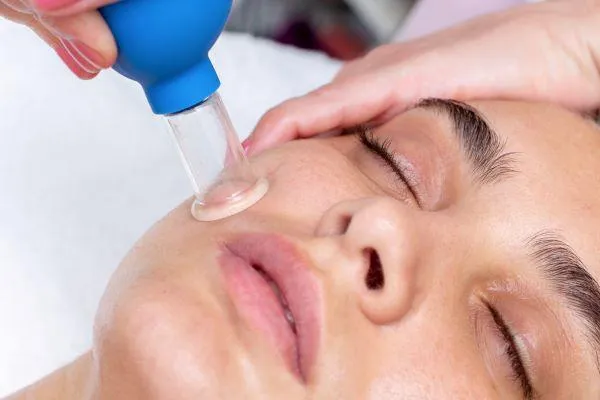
x=375 y=279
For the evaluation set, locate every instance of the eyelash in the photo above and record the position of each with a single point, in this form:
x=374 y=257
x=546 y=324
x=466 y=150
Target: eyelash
x=382 y=149
x=520 y=374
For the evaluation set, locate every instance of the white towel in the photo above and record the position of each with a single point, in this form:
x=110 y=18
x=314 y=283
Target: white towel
x=85 y=169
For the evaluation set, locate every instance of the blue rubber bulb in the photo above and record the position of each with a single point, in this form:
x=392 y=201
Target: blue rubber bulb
x=164 y=45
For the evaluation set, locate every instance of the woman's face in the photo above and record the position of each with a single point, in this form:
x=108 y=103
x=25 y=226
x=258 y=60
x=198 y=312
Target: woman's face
x=429 y=258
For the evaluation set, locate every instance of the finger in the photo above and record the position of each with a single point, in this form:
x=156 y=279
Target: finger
x=60 y=47
x=383 y=56
x=332 y=107
x=87 y=37
x=68 y=7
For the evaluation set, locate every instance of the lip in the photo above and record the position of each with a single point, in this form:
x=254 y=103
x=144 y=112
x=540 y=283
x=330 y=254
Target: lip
x=260 y=307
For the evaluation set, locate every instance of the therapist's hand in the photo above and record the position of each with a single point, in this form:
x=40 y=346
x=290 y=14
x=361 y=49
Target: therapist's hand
x=73 y=28
x=548 y=52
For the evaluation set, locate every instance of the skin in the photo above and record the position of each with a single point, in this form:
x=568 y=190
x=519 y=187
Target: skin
x=166 y=324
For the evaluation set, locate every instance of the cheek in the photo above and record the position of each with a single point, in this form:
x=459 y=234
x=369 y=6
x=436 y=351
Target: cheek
x=157 y=335
x=308 y=178
x=423 y=358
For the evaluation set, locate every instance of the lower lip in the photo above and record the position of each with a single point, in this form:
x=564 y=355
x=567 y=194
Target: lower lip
x=259 y=307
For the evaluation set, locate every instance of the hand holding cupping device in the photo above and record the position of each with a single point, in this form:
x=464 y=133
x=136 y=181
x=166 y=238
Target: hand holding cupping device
x=73 y=28
x=541 y=52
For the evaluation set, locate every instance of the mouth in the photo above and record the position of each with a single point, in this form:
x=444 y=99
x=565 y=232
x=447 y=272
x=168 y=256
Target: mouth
x=275 y=292
x=289 y=316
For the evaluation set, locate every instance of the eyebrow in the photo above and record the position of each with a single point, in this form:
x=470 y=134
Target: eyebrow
x=483 y=147
x=570 y=278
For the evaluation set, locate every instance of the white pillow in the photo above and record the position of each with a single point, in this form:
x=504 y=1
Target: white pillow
x=85 y=169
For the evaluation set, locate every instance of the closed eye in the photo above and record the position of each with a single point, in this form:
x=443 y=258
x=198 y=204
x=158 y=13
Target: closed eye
x=382 y=149
x=515 y=358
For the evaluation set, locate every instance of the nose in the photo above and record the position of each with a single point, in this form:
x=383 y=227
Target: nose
x=379 y=250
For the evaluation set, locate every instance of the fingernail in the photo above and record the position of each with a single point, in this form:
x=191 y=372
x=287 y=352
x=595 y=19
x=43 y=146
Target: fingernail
x=89 y=54
x=79 y=58
x=72 y=64
x=51 y=5
x=67 y=59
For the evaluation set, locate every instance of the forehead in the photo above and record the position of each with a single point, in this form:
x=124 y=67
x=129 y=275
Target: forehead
x=558 y=183
x=547 y=135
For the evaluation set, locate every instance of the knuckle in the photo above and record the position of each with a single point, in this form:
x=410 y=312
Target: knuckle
x=282 y=112
x=324 y=92
x=274 y=115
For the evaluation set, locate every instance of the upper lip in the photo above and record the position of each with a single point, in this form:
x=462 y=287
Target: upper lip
x=282 y=262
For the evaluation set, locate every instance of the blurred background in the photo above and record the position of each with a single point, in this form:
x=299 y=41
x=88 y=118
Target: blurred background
x=347 y=29
x=344 y=29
